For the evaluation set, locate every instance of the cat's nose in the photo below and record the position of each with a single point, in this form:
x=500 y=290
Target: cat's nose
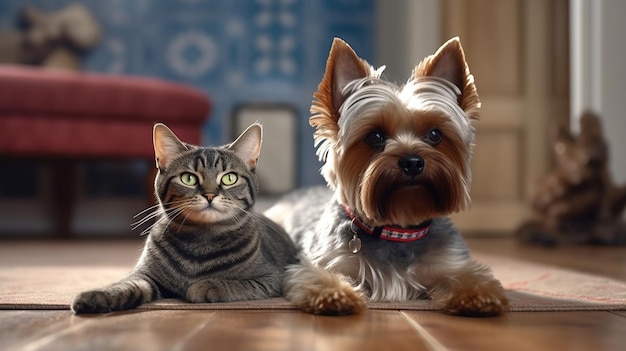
x=209 y=196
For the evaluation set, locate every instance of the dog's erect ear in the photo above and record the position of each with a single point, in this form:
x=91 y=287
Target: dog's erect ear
x=449 y=63
x=342 y=67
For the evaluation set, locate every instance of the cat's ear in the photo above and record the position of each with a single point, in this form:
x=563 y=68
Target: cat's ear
x=248 y=145
x=166 y=145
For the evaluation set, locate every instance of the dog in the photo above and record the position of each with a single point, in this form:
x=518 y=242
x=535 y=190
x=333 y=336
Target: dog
x=396 y=160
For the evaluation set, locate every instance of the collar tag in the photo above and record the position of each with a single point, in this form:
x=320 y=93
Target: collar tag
x=355 y=244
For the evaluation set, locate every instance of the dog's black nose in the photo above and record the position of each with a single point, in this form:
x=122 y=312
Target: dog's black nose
x=411 y=165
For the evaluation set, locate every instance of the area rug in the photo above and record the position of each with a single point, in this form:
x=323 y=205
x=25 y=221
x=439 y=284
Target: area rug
x=529 y=286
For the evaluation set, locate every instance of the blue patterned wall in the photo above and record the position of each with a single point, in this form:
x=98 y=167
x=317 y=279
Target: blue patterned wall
x=237 y=51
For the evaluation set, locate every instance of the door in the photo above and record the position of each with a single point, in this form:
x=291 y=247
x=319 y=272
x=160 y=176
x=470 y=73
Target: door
x=518 y=53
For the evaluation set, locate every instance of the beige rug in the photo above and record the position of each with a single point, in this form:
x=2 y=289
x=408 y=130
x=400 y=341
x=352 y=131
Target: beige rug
x=530 y=287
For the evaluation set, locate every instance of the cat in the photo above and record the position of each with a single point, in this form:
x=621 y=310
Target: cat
x=206 y=244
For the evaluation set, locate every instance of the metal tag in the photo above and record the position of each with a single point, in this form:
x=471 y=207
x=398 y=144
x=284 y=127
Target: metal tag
x=354 y=244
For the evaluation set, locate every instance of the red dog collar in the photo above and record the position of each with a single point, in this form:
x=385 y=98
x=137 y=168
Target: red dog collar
x=391 y=233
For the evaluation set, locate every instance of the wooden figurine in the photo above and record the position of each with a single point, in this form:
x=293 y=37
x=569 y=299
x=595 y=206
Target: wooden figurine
x=578 y=203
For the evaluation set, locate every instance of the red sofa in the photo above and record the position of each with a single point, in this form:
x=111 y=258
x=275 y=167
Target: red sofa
x=60 y=117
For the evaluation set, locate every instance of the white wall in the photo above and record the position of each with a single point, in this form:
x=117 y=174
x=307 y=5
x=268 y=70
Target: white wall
x=406 y=32
x=598 y=45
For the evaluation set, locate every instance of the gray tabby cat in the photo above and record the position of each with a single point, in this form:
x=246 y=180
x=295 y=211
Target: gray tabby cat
x=206 y=245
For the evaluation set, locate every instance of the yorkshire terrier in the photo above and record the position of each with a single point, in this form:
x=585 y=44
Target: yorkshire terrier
x=397 y=159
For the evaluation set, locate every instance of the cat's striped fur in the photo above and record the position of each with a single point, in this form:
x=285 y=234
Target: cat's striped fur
x=206 y=244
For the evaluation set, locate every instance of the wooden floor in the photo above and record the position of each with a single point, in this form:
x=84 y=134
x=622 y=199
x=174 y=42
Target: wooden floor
x=372 y=330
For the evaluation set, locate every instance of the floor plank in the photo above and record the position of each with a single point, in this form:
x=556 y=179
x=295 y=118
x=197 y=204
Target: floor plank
x=620 y=313
x=255 y=331
x=372 y=330
x=20 y=328
x=134 y=330
x=292 y=330
x=572 y=331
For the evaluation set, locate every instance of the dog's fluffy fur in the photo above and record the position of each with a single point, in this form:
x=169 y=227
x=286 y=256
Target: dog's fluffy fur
x=393 y=157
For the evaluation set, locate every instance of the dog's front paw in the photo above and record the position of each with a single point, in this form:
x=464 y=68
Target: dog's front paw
x=334 y=300
x=484 y=298
x=476 y=303
x=470 y=291
x=318 y=291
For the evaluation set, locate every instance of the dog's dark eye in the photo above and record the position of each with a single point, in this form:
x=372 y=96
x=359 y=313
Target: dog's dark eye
x=434 y=136
x=375 y=139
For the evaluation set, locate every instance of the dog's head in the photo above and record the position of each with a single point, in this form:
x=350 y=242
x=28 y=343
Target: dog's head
x=397 y=154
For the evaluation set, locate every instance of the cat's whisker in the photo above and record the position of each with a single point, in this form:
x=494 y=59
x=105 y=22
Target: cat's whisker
x=153 y=207
x=157 y=213
x=145 y=219
x=268 y=223
x=169 y=214
x=174 y=212
x=149 y=228
x=166 y=219
x=184 y=220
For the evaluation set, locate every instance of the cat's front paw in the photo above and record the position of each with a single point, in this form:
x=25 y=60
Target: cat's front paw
x=203 y=291
x=92 y=302
x=123 y=295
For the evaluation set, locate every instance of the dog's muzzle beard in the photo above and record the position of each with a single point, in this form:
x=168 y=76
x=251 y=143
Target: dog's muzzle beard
x=389 y=195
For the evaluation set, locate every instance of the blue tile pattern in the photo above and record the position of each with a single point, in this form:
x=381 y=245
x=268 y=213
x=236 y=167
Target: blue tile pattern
x=237 y=51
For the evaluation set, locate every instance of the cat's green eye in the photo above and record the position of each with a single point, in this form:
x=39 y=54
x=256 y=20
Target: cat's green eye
x=189 y=179
x=229 y=178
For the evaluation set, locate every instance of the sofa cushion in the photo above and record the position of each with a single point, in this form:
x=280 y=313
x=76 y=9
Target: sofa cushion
x=35 y=91
x=46 y=113
x=40 y=136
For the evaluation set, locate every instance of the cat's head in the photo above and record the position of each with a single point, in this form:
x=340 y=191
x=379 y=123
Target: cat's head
x=197 y=184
